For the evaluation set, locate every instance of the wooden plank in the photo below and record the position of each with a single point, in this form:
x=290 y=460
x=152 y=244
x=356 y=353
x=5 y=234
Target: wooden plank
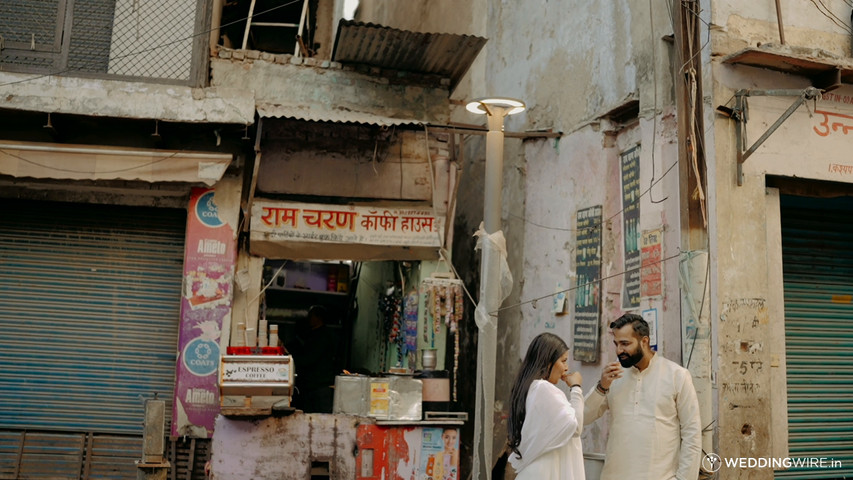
x=56 y=455
x=173 y=459
x=11 y=446
x=87 y=463
x=115 y=456
x=190 y=461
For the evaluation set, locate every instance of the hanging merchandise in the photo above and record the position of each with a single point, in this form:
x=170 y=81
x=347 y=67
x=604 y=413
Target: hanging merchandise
x=390 y=308
x=457 y=307
x=444 y=302
x=436 y=312
x=448 y=305
x=410 y=315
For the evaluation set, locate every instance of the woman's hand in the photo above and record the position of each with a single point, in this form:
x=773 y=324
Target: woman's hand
x=573 y=378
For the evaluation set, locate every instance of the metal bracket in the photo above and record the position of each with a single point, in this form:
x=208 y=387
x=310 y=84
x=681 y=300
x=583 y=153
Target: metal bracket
x=740 y=114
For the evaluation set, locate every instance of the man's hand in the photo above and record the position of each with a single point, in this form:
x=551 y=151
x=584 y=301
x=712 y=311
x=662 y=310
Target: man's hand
x=611 y=372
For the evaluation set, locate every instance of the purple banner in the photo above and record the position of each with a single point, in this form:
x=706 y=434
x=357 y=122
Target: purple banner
x=206 y=299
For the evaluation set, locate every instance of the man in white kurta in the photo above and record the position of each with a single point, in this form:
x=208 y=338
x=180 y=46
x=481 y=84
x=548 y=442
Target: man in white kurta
x=655 y=428
x=550 y=436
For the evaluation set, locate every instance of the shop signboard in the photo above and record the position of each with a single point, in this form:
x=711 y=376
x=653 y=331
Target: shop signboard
x=385 y=226
x=205 y=301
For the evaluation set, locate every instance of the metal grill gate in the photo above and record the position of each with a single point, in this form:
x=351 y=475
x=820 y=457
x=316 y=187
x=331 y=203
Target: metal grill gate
x=817 y=255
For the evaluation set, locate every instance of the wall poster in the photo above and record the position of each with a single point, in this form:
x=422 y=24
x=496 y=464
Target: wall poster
x=588 y=290
x=651 y=271
x=631 y=226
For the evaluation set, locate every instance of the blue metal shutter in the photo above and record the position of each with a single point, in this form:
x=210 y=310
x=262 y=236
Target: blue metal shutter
x=817 y=256
x=89 y=310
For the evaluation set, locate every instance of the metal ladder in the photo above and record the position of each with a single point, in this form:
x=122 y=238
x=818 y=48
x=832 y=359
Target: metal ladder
x=299 y=26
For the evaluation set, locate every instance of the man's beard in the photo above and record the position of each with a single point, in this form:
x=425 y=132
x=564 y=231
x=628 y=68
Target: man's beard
x=629 y=361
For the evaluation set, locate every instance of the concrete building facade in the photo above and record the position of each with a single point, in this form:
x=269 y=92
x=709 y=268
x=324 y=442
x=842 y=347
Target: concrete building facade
x=686 y=161
x=719 y=223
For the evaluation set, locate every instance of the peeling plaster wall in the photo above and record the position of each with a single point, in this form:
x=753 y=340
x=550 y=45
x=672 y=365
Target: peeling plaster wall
x=283 y=447
x=571 y=62
x=329 y=87
x=747 y=303
x=739 y=24
x=579 y=172
x=114 y=98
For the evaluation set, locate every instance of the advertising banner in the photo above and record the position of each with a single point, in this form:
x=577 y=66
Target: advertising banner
x=205 y=301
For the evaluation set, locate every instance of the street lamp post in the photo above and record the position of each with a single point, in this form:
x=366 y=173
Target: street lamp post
x=491 y=296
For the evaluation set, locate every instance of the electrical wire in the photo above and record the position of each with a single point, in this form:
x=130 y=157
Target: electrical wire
x=699 y=138
x=593 y=282
x=701 y=308
x=604 y=221
x=827 y=12
x=655 y=103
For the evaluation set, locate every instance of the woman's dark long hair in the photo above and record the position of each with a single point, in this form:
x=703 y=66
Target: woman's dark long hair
x=542 y=354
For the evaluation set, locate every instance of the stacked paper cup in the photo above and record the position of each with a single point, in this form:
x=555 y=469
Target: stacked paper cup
x=262 y=333
x=273 y=342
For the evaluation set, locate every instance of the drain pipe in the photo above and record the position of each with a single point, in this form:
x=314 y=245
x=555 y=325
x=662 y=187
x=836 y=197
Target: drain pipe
x=779 y=20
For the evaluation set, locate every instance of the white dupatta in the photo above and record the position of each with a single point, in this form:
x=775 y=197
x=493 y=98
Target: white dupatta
x=550 y=435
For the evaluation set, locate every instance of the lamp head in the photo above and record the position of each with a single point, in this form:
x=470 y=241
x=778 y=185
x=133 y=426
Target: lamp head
x=481 y=105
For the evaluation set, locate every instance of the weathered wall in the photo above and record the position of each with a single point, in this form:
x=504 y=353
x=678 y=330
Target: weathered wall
x=114 y=98
x=747 y=303
x=741 y=24
x=579 y=172
x=571 y=62
x=283 y=447
x=307 y=85
x=367 y=162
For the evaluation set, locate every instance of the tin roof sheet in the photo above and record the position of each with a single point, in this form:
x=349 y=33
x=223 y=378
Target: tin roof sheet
x=443 y=54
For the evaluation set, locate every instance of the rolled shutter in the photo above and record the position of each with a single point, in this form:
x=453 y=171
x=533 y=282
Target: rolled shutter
x=89 y=310
x=817 y=236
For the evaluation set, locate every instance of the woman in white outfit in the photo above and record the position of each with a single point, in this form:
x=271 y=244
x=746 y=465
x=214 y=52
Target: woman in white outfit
x=544 y=425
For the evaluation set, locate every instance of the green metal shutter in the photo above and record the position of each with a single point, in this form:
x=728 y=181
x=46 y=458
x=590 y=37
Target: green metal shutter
x=817 y=255
x=89 y=310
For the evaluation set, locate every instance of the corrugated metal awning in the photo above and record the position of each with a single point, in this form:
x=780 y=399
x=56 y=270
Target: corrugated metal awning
x=442 y=54
x=336 y=115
